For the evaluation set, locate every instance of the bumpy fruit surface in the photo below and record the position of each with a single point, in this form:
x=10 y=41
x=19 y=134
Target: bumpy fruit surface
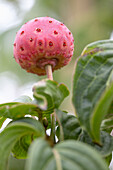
x=43 y=41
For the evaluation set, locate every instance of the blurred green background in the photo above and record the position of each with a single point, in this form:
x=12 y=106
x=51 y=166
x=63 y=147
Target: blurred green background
x=89 y=20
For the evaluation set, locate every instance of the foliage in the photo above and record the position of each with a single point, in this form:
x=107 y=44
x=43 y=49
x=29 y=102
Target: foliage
x=83 y=141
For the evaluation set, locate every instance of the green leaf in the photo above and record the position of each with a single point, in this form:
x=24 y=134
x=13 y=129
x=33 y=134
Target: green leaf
x=2 y=119
x=107 y=124
x=16 y=164
x=69 y=126
x=23 y=99
x=92 y=76
x=110 y=111
x=15 y=110
x=13 y=132
x=68 y=155
x=48 y=95
x=100 y=111
x=20 y=149
x=108 y=159
x=106 y=146
x=21 y=107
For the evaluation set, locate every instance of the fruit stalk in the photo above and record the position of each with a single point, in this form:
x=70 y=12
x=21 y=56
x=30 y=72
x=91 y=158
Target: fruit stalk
x=49 y=73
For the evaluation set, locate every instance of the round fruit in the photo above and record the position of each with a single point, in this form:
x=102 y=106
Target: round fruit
x=43 y=41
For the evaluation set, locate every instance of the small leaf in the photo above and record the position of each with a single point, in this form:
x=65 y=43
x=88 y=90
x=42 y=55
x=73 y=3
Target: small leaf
x=23 y=99
x=69 y=155
x=106 y=146
x=50 y=93
x=70 y=126
x=48 y=96
x=100 y=111
x=43 y=99
x=92 y=76
x=13 y=132
x=15 y=110
x=20 y=149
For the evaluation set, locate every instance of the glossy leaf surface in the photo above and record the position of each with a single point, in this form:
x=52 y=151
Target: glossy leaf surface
x=92 y=76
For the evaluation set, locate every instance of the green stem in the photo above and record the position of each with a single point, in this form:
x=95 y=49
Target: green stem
x=53 y=124
x=48 y=69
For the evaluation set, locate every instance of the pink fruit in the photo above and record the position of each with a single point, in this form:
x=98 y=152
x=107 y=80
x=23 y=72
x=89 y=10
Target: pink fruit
x=43 y=41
